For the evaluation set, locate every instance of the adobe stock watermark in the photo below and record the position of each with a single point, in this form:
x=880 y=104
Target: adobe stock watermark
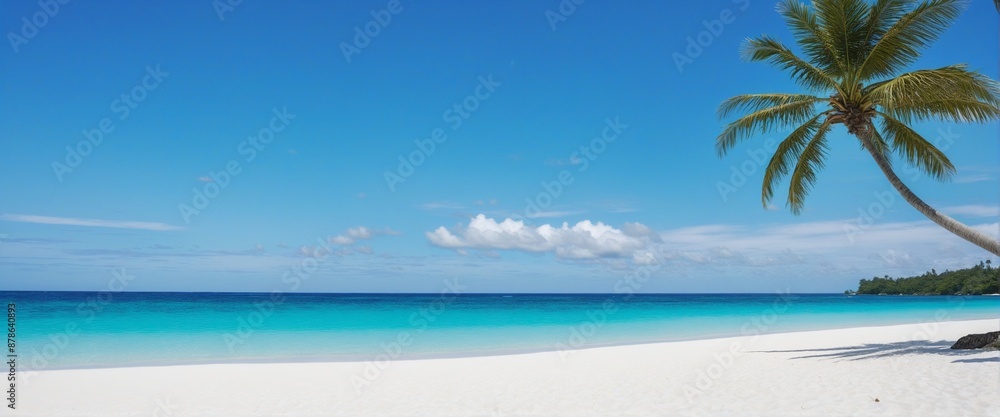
x=551 y=190
x=420 y=320
x=39 y=20
x=454 y=117
x=869 y=214
x=123 y=107
x=219 y=180
x=164 y=407
x=739 y=173
x=723 y=361
x=563 y=11
x=921 y=339
x=88 y=310
x=623 y=291
x=366 y=33
x=222 y=7
x=928 y=330
x=697 y=44
x=293 y=278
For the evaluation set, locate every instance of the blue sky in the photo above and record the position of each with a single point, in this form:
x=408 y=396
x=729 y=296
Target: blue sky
x=207 y=86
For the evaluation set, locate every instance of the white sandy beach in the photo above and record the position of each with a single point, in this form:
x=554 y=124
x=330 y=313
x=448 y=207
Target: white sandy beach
x=908 y=368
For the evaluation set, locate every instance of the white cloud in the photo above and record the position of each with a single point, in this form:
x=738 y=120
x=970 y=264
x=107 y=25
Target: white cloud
x=359 y=232
x=920 y=245
x=644 y=258
x=354 y=234
x=639 y=230
x=617 y=206
x=441 y=205
x=320 y=251
x=553 y=213
x=307 y=250
x=973 y=210
x=69 y=221
x=968 y=179
x=973 y=174
x=584 y=240
x=340 y=240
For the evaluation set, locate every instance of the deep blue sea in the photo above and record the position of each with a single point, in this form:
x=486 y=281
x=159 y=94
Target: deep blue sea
x=57 y=330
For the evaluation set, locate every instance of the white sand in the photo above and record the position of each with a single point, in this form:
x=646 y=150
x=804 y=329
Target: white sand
x=834 y=376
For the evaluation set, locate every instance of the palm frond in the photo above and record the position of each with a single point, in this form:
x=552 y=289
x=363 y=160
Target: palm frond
x=916 y=150
x=811 y=160
x=844 y=22
x=750 y=103
x=787 y=114
x=883 y=14
x=881 y=146
x=786 y=153
x=902 y=42
x=815 y=43
x=951 y=93
x=768 y=49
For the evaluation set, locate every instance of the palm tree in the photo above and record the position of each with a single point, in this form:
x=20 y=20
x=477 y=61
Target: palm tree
x=854 y=53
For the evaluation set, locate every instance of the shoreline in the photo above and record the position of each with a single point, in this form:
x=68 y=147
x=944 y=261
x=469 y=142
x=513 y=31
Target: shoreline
x=433 y=294
x=476 y=354
x=820 y=372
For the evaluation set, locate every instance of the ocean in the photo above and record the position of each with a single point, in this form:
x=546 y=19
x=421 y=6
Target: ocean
x=62 y=330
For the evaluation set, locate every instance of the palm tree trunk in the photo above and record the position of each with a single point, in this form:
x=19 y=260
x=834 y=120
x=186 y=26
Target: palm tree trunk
x=965 y=232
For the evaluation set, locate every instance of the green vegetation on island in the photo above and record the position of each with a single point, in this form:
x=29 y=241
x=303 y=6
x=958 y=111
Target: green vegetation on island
x=977 y=280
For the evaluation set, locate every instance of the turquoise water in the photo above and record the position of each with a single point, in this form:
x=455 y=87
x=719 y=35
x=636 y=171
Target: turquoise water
x=56 y=330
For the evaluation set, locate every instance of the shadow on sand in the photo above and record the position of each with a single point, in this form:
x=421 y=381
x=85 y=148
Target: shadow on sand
x=883 y=350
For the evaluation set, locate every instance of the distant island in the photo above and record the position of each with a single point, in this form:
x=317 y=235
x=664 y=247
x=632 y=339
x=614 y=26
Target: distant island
x=977 y=280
